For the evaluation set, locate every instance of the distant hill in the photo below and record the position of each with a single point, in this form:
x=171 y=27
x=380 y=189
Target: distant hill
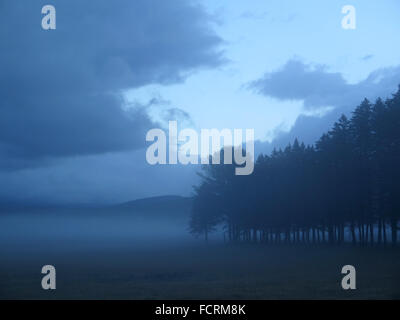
x=175 y=205
x=155 y=207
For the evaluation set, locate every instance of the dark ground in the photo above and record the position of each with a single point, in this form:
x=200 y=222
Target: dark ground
x=198 y=271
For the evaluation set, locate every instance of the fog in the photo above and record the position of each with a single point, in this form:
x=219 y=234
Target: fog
x=87 y=230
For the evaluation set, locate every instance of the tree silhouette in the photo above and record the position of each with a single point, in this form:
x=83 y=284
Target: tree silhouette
x=345 y=188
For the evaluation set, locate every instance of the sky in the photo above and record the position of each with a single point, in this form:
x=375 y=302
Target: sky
x=76 y=102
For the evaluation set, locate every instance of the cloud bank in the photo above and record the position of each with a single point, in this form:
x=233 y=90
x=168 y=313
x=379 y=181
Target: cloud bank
x=60 y=90
x=318 y=88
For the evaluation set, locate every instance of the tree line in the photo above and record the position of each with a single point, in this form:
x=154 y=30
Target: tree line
x=344 y=188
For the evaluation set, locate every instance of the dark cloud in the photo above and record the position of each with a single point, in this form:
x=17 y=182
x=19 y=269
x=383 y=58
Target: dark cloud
x=367 y=57
x=177 y=114
x=60 y=90
x=318 y=89
x=298 y=81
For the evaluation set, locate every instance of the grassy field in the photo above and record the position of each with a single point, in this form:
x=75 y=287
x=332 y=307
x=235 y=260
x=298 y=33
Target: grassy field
x=205 y=272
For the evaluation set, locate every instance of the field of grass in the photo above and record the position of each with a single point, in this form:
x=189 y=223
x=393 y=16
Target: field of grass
x=198 y=271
